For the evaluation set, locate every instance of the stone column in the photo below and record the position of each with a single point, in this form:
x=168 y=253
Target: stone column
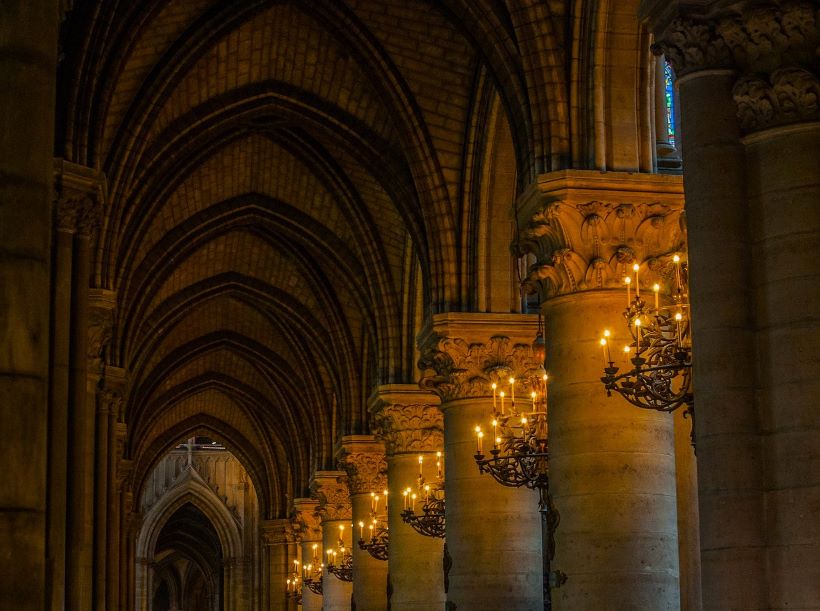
x=612 y=465
x=90 y=332
x=278 y=538
x=362 y=458
x=410 y=424
x=749 y=87
x=58 y=396
x=28 y=61
x=308 y=529
x=493 y=531
x=330 y=489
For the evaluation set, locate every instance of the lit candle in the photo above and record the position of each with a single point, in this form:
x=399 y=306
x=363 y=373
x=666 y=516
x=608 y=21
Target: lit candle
x=315 y=553
x=377 y=503
x=494 y=387
x=421 y=462
x=372 y=501
x=678 y=282
x=678 y=319
x=404 y=494
x=427 y=494
x=413 y=502
x=534 y=397
x=605 y=344
x=361 y=529
x=656 y=288
x=384 y=492
x=636 y=268
x=626 y=352
x=545 y=388
x=501 y=394
x=602 y=341
x=512 y=394
x=480 y=438
x=638 y=336
x=438 y=464
x=628 y=283
x=371 y=532
x=495 y=428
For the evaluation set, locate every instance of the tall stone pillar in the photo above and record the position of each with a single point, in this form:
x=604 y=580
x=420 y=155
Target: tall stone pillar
x=308 y=529
x=362 y=458
x=90 y=331
x=461 y=355
x=330 y=489
x=28 y=62
x=280 y=547
x=612 y=465
x=749 y=86
x=410 y=424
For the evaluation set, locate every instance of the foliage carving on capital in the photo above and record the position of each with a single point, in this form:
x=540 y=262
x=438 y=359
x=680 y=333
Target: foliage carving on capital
x=456 y=369
x=276 y=532
x=410 y=428
x=593 y=244
x=752 y=36
x=366 y=471
x=788 y=95
x=79 y=194
x=306 y=523
x=100 y=328
x=333 y=496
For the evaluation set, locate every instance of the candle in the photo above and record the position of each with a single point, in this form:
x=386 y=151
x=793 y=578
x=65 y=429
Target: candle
x=438 y=464
x=494 y=387
x=628 y=283
x=512 y=394
x=413 y=502
x=377 y=503
x=421 y=461
x=404 y=494
x=501 y=394
x=480 y=437
x=678 y=282
x=544 y=378
x=602 y=341
x=656 y=288
x=427 y=494
x=678 y=319
x=361 y=529
x=495 y=428
x=384 y=492
x=636 y=268
x=626 y=352
x=372 y=502
x=638 y=336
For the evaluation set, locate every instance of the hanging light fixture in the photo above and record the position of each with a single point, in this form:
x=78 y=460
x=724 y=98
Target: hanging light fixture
x=519 y=449
x=312 y=573
x=340 y=560
x=294 y=584
x=660 y=350
x=376 y=544
x=430 y=522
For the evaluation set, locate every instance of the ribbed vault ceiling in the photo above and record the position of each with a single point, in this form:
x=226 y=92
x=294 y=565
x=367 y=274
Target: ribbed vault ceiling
x=278 y=173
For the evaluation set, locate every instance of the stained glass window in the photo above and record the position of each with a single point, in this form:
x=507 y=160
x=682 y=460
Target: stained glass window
x=669 y=89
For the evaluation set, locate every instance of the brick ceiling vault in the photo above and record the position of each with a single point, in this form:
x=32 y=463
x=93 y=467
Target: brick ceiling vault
x=272 y=166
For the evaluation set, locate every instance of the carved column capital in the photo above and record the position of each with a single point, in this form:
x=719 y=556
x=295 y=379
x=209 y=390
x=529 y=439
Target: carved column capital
x=305 y=519
x=586 y=229
x=276 y=532
x=774 y=46
x=362 y=458
x=407 y=419
x=463 y=354
x=330 y=489
x=80 y=195
x=101 y=307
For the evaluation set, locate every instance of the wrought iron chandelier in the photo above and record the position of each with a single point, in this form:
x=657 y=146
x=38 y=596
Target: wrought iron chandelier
x=430 y=522
x=312 y=573
x=660 y=350
x=377 y=543
x=519 y=455
x=340 y=560
x=294 y=585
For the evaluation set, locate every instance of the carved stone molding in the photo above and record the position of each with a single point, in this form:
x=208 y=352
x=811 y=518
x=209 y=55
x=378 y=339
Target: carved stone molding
x=752 y=36
x=362 y=458
x=80 y=194
x=788 y=95
x=407 y=419
x=330 y=489
x=305 y=520
x=461 y=360
x=100 y=328
x=276 y=532
x=773 y=45
x=587 y=229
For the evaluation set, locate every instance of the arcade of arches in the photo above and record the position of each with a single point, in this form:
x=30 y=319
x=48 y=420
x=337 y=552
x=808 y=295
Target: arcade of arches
x=257 y=256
